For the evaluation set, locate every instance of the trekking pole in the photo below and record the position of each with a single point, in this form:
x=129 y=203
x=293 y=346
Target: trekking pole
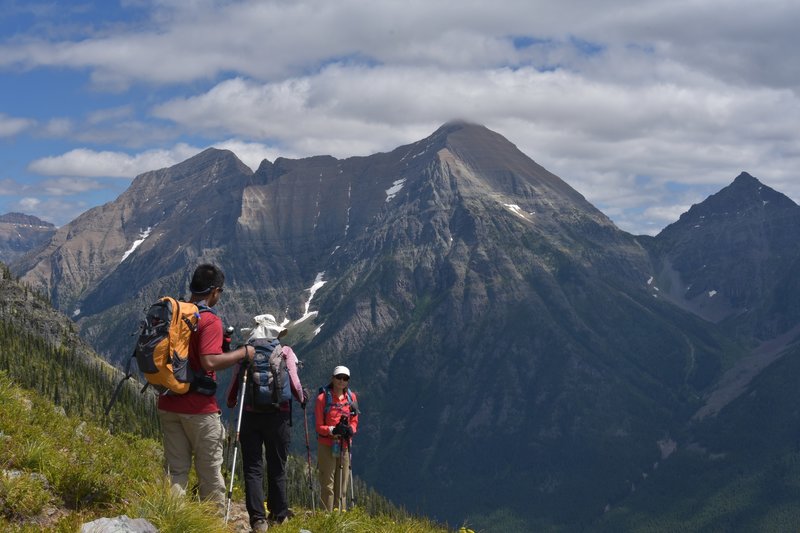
x=342 y=497
x=118 y=389
x=308 y=455
x=235 y=445
x=229 y=451
x=350 y=469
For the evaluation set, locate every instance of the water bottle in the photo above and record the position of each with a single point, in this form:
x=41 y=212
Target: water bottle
x=336 y=448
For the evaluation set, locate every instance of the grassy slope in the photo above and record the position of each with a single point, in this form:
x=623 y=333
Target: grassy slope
x=59 y=472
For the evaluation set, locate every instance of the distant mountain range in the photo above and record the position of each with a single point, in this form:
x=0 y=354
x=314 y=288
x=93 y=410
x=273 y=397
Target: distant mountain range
x=20 y=234
x=520 y=360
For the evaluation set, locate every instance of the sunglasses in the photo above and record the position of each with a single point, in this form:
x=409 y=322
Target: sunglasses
x=343 y=377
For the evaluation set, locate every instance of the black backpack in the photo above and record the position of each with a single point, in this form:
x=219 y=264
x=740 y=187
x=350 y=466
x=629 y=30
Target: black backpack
x=268 y=383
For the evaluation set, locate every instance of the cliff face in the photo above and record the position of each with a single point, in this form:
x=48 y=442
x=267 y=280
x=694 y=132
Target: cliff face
x=486 y=309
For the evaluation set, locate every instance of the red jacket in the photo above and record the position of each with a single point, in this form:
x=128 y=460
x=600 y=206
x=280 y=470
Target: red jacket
x=326 y=422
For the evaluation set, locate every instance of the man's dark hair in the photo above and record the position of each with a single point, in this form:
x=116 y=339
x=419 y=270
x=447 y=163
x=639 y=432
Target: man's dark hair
x=205 y=278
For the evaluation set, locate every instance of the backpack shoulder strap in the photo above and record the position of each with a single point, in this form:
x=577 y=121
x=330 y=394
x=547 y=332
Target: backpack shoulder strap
x=352 y=402
x=326 y=390
x=203 y=308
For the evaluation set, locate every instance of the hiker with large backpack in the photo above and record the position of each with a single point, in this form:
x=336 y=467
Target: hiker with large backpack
x=271 y=381
x=190 y=421
x=336 y=414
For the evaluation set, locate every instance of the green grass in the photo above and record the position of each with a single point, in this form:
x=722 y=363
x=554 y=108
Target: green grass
x=58 y=472
x=51 y=460
x=356 y=521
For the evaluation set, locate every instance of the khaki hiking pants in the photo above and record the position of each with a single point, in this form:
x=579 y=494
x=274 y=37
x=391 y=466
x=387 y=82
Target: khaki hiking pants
x=198 y=437
x=329 y=472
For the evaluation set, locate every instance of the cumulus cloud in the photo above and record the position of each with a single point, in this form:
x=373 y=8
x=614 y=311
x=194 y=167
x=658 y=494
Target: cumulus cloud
x=10 y=126
x=90 y=163
x=189 y=41
x=58 y=127
x=252 y=154
x=68 y=186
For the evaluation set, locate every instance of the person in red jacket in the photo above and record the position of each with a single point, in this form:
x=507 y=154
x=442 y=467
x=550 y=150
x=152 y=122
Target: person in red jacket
x=336 y=416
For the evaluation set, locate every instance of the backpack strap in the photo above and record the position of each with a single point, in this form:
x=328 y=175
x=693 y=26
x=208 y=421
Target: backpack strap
x=326 y=390
x=353 y=404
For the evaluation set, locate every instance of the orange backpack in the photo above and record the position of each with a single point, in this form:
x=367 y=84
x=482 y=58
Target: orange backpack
x=162 y=349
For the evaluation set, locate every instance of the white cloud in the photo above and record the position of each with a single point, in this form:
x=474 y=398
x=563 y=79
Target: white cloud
x=58 y=127
x=68 y=186
x=10 y=126
x=114 y=114
x=189 y=41
x=84 y=163
x=89 y=163
x=251 y=154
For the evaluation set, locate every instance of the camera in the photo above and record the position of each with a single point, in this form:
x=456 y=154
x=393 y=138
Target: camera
x=227 y=335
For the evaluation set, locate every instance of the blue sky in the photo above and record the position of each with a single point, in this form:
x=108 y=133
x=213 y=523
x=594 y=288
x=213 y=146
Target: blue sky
x=644 y=107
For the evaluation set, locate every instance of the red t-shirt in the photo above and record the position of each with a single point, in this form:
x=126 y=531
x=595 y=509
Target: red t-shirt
x=206 y=341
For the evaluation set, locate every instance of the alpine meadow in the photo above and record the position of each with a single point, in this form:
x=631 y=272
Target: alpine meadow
x=521 y=363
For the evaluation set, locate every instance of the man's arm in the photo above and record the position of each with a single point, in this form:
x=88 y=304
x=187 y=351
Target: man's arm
x=221 y=361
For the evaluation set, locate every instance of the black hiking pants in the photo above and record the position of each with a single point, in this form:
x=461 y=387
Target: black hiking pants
x=265 y=435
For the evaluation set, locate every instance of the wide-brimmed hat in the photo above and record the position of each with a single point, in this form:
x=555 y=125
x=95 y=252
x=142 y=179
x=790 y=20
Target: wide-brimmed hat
x=267 y=328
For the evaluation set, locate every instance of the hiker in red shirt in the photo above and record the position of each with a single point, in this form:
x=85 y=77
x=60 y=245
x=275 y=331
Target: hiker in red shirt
x=191 y=422
x=336 y=415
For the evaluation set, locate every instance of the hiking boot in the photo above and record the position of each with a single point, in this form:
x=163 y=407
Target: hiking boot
x=280 y=519
x=260 y=526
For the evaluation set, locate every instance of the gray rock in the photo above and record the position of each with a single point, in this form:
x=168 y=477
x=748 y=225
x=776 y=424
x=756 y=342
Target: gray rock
x=119 y=524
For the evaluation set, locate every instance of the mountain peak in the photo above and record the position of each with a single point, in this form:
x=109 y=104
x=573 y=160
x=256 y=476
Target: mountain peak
x=744 y=177
x=455 y=125
x=746 y=194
